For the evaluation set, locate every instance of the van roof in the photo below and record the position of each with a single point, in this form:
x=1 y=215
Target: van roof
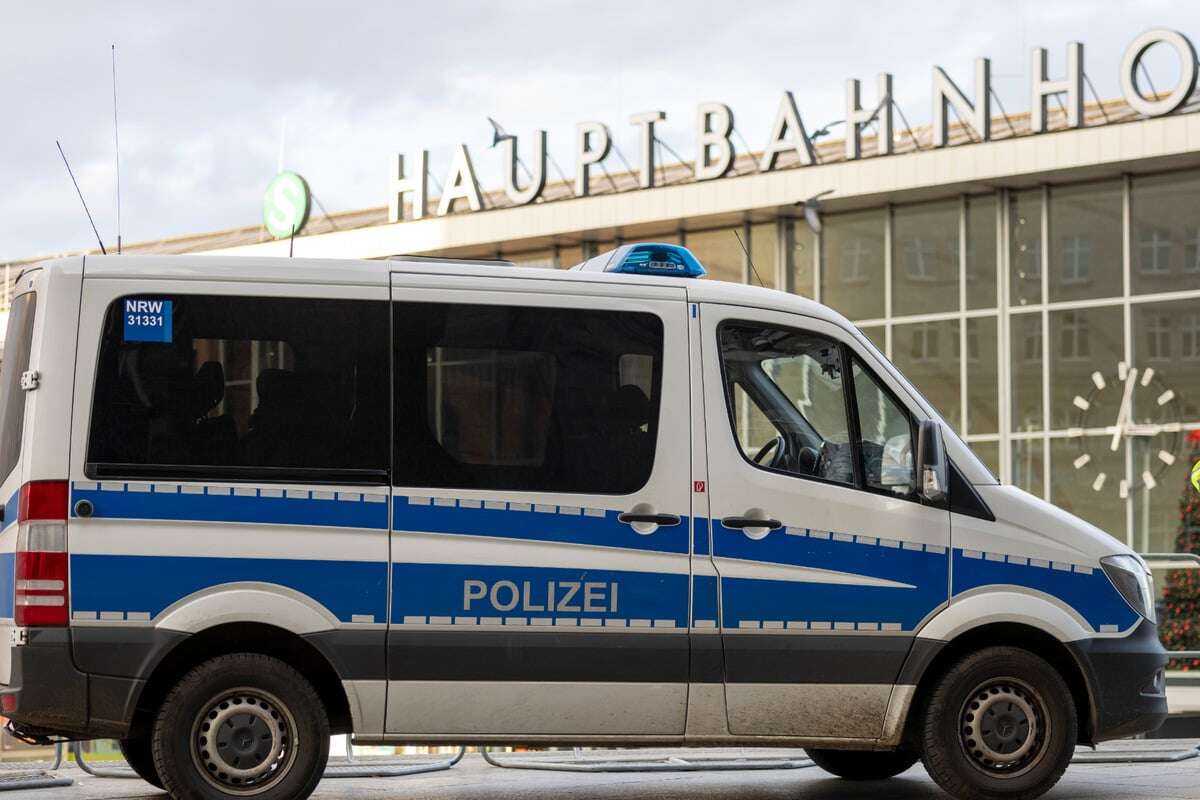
x=375 y=273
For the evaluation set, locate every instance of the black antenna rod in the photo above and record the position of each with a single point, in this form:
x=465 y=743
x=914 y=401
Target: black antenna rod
x=749 y=260
x=81 y=200
x=291 y=241
x=117 y=145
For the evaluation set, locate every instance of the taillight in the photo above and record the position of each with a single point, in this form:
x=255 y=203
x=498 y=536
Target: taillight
x=41 y=597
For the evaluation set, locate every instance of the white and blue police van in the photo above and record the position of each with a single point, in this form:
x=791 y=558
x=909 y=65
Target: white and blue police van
x=249 y=503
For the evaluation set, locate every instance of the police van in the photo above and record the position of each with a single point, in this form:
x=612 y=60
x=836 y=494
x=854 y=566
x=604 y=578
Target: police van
x=249 y=503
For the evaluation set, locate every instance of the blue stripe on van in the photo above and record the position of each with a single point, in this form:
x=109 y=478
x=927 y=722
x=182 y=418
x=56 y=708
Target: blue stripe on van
x=520 y=594
x=1092 y=595
x=700 y=536
x=704 y=598
x=747 y=602
x=11 y=510
x=567 y=526
x=8 y=567
x=149 y=584
x=221 y=505
x=910 y=563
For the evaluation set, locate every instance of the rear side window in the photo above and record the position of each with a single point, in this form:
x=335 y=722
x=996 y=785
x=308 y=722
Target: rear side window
x=217 y=387
x=17 y=342
x=525 y=399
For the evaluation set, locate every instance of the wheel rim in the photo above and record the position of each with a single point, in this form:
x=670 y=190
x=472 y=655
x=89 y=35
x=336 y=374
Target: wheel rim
x=244 y=741
x=1004 y=727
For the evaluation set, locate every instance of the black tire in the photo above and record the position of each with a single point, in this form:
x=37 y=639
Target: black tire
x=862 y=765
x=140 y=757
x=1000 y=725
x=276 y=740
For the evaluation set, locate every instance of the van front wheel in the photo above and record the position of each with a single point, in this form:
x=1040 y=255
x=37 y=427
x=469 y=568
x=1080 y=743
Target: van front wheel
x=1000 y=725
x=862 y=765
x=239 y=726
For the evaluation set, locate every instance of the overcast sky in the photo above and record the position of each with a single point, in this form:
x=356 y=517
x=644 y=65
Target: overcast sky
x=206 y=89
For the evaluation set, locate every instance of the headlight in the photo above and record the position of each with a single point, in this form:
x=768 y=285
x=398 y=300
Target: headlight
x=1133 y=581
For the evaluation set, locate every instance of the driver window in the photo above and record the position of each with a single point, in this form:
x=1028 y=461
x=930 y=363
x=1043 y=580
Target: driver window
x=787 y=400
x=887 y=441
x=754 y=430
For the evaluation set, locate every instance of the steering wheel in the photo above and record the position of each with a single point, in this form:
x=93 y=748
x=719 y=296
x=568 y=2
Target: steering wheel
x=778 y=444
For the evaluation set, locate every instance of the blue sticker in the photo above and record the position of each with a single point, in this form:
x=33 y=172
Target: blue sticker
x=148 y=321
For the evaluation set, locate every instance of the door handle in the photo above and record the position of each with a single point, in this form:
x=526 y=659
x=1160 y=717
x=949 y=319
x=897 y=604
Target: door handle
x=741 y=523
x=662 y=520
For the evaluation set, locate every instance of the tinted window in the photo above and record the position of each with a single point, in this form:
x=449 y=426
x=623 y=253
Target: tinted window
x=245 y=387
x=788 y=403
x=526 y=399
x=17 y=341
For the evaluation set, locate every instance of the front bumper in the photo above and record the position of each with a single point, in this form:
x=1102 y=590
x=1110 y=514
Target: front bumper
x=47 y=695
x=1127 y=683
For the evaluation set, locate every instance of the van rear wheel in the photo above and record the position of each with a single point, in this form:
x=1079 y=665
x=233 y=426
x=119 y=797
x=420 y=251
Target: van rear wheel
x=241 y=725
x=862 y=765
x=1001 y=725
x=140 y=757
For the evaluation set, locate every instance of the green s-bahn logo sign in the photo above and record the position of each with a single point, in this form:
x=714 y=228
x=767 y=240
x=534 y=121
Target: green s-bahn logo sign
x=286 y=205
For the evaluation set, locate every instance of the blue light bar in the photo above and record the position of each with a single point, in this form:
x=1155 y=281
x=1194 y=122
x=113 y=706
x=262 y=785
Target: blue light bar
x=659 y=259
x=646 y=258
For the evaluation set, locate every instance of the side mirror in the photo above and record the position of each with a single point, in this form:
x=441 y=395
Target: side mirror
x=932 y=475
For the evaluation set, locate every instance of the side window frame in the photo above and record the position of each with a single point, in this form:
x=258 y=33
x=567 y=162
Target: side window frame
x=848 y=357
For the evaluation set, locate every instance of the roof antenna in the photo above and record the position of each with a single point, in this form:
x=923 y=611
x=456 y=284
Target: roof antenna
x=749 y=260
x=291 y=241
x=81 y=200
x=116 y=145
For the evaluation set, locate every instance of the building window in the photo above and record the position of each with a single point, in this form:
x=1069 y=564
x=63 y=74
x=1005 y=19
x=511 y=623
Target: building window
x=1154 y=252
x=924 y=342
x=920 y=259
x=972 y=340
x=854 y=261
x=1077 y=257
x=1166 y=202
x=1190 y=336
x=852 y=257
x=1158 y=337
x=1073 y=337
x=1031 y=343
x=1191 y=250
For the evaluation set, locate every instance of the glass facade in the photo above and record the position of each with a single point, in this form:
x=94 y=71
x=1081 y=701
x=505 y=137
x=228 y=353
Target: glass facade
x=1019 y=314
x=1008 y=309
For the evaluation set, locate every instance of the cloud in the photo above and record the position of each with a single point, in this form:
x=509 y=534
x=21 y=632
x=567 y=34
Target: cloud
x=205 y=88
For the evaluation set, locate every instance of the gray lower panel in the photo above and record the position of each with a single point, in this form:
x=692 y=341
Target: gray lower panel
x=846 y=710
x=535 y=708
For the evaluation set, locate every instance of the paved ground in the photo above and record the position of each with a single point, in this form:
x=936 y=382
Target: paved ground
x=475 y=780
